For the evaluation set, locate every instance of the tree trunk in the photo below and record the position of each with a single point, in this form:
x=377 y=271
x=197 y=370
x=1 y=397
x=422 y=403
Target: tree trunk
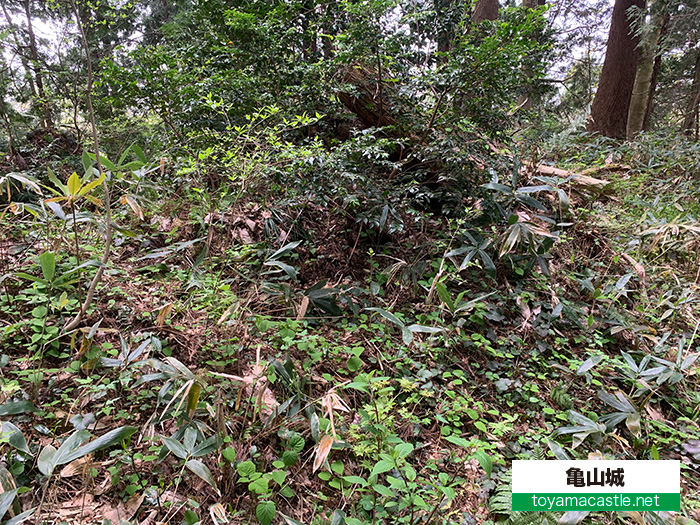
x=641 y=92
x=485 y=10
x=690 y=121
x=611 y=103
x=655 y=76
x=43 y=100
x=22 y=57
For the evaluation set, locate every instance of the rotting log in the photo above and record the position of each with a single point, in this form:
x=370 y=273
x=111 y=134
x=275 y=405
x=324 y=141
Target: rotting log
x=581 y=180
x=367 y=102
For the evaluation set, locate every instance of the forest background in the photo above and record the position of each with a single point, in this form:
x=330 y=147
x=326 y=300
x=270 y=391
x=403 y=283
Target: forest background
x=342 y=262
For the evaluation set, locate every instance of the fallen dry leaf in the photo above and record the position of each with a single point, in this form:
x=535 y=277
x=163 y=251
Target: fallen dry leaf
x=322 y=451
x=75 y=467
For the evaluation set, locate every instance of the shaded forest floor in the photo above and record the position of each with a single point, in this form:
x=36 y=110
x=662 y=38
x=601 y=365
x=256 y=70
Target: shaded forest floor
x=291 y=362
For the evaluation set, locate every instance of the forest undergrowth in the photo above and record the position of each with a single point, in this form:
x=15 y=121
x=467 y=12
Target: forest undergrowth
x=302 y=338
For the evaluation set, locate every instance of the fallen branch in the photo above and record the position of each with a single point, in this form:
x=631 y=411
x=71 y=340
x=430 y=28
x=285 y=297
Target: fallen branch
x=582 y=180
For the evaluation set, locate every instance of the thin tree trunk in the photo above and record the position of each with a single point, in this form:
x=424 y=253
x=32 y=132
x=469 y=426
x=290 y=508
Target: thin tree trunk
x=690 y=121
x=22 y=57
x=641 y=92
x=612 y=100
x=43 y=100
x=655 y=76
x=485 y=10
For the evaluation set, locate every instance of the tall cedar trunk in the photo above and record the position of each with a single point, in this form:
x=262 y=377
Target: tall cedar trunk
x=38 y=78
x=641 y=92
x=611 y=103
x=655 y=76
x=485 y=10
x=690 y=121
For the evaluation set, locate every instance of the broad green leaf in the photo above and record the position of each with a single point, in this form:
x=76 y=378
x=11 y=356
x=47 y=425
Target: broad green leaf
x=124 y=155
x=419 y=328
x=409 y=472
x=87 y=161
x=139 y=153
x=189 y=439
x=338 y=517
x=56 y=182
x=45 y=461
x=278 y=476
x=445 y=297
x=354 y=364
x=381 y=467
x=48 y=265
x=485 y=461
x=498 y=187
x=404 y=449
x=110 y=438
x=535 y=189
x=284 y=250
x=14 y=437
x=246 y=468
x=356 y=480
x=131 y=166
x=69 y=445
x=289 y=457
x=6 y=499
x=205 y=447
x=91 y=185
x=387 y=315
x=201 y=470
x=17 y=407
x=588 y=364
x=73 y=184
x=383 y=490
x=56 y=209
x=557 y=450
x=289 y=270
x=292 y=521
x=460 y=442
x=265 y=512
x=20 y=518
x=406 y=335
x=106 y=163
x=259 y=486
x=174 y=446
x=186 y=372
x=229 y=454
